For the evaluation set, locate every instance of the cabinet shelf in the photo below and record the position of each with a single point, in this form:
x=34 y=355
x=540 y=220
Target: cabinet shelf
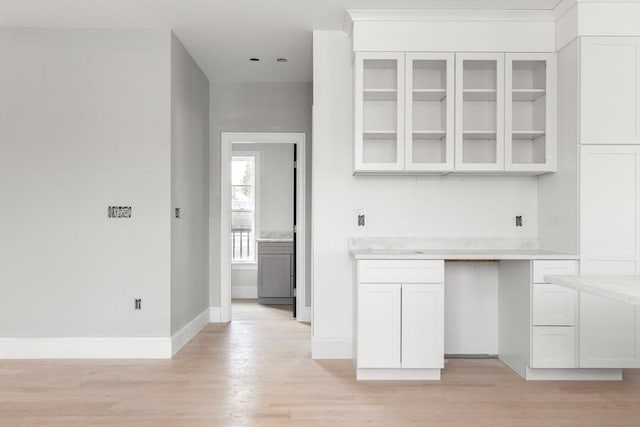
x=527 y=134
x=527 y=94
x=479 y=94
x=479 y=134
x=429 y=94
x=380 y=94
x=429 y=134
x=379 y=134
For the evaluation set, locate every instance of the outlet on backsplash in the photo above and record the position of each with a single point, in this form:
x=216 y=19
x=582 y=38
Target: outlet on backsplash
x=518 y=220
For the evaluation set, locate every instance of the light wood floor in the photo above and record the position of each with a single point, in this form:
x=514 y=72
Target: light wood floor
x=257 y=371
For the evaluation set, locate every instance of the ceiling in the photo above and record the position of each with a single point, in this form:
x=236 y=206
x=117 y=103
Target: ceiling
x=223 y=34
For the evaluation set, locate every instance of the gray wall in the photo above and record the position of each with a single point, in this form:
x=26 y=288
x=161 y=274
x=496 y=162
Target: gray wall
x=255 y=107
x=189 y=187
x=84 y=124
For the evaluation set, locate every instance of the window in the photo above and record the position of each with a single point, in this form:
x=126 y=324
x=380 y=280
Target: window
x=243 y=208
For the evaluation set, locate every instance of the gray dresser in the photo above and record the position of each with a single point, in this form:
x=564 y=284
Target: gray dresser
x=276 y=273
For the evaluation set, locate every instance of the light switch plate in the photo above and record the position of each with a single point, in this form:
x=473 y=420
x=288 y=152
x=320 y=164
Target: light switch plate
x=119 y=212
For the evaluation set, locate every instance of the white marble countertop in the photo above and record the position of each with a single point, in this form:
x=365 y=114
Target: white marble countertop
x=615 y=287
x=275 y=240
x=459 y=254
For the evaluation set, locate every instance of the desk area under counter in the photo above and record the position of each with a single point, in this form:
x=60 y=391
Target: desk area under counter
x=399 y=312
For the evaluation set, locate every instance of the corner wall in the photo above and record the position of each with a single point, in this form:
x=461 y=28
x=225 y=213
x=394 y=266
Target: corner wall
x=189 y=188
x=84 y=124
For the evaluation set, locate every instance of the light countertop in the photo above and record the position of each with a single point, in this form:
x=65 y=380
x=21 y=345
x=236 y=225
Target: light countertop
x=459 y=254
x=615 y=287
x=275 y=240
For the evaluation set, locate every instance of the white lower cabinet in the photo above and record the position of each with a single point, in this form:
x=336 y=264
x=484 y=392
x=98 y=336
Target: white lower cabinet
x=379 y=317
x=553 y=347
x=553 y=317
x=609 y=333
x=422 y=326
x=400 y=325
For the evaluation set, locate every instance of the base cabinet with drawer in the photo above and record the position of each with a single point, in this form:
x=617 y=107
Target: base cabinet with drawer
x=399 y=321
x=553 y=317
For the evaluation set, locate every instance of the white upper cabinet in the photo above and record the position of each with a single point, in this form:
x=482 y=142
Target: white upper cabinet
x=479 y=112
x=379 y=112
x=610 y=90
x=530 y=112
x=446 y=112
x=429 y=112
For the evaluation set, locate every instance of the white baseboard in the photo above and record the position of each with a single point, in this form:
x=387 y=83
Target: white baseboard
x=86 y=348
x=244 y=292
x=188 y=331
x=581 y=374
x=215 y=315
x=304 y=315
x=331 y=348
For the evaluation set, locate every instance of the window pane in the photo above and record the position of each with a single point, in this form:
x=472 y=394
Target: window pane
x=242 y=198
x=241 y=220
x=242 y=236
x=242 y=171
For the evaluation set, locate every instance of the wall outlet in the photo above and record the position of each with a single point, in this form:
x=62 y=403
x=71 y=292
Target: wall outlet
x=137 y=304
x=518 y=220
x=361 y=220
x=177 y=213
x=119 y=212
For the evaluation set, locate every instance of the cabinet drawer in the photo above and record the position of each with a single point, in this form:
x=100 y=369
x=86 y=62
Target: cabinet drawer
x=401 y=271
x=553 y=305
x=553 y=347
x=542 y=268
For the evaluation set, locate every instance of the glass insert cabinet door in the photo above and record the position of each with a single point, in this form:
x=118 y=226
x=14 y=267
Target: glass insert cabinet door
x=479 y=111
x=429 y=113
x=379 y=111
x=530 y=111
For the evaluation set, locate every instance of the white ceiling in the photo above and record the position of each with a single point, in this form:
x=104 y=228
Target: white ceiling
x=222 y=34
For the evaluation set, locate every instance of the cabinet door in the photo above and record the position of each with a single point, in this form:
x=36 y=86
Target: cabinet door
x=553 y=305
x=553 y=347
x=274 y=280
x=378 y=321
x=379 y=112
x=609 y=209
x=479 y=112
x=422 y=325
x=607 y=333
x=530 y=112
x=610 y=90
x=429 y=111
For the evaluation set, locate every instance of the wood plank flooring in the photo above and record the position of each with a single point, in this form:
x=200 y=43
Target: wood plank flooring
x=257 y=371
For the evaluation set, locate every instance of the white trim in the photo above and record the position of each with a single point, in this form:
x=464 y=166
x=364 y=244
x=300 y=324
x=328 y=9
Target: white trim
x=188 y=331
x=227 y=139
x=426 y=15
x=331 y=348
x=86 y=348
x=398 y=374
x=215 y=315
x=304 y=315
x=244 y=292
x=573 y=374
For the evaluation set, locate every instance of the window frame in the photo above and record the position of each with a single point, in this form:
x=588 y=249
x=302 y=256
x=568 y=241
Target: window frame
x=239 y=153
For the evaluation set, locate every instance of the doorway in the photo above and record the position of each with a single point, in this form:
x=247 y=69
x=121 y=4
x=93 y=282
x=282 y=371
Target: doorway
x=229 y=141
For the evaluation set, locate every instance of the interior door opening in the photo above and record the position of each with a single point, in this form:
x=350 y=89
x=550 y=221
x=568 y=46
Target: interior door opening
x=262 y=207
